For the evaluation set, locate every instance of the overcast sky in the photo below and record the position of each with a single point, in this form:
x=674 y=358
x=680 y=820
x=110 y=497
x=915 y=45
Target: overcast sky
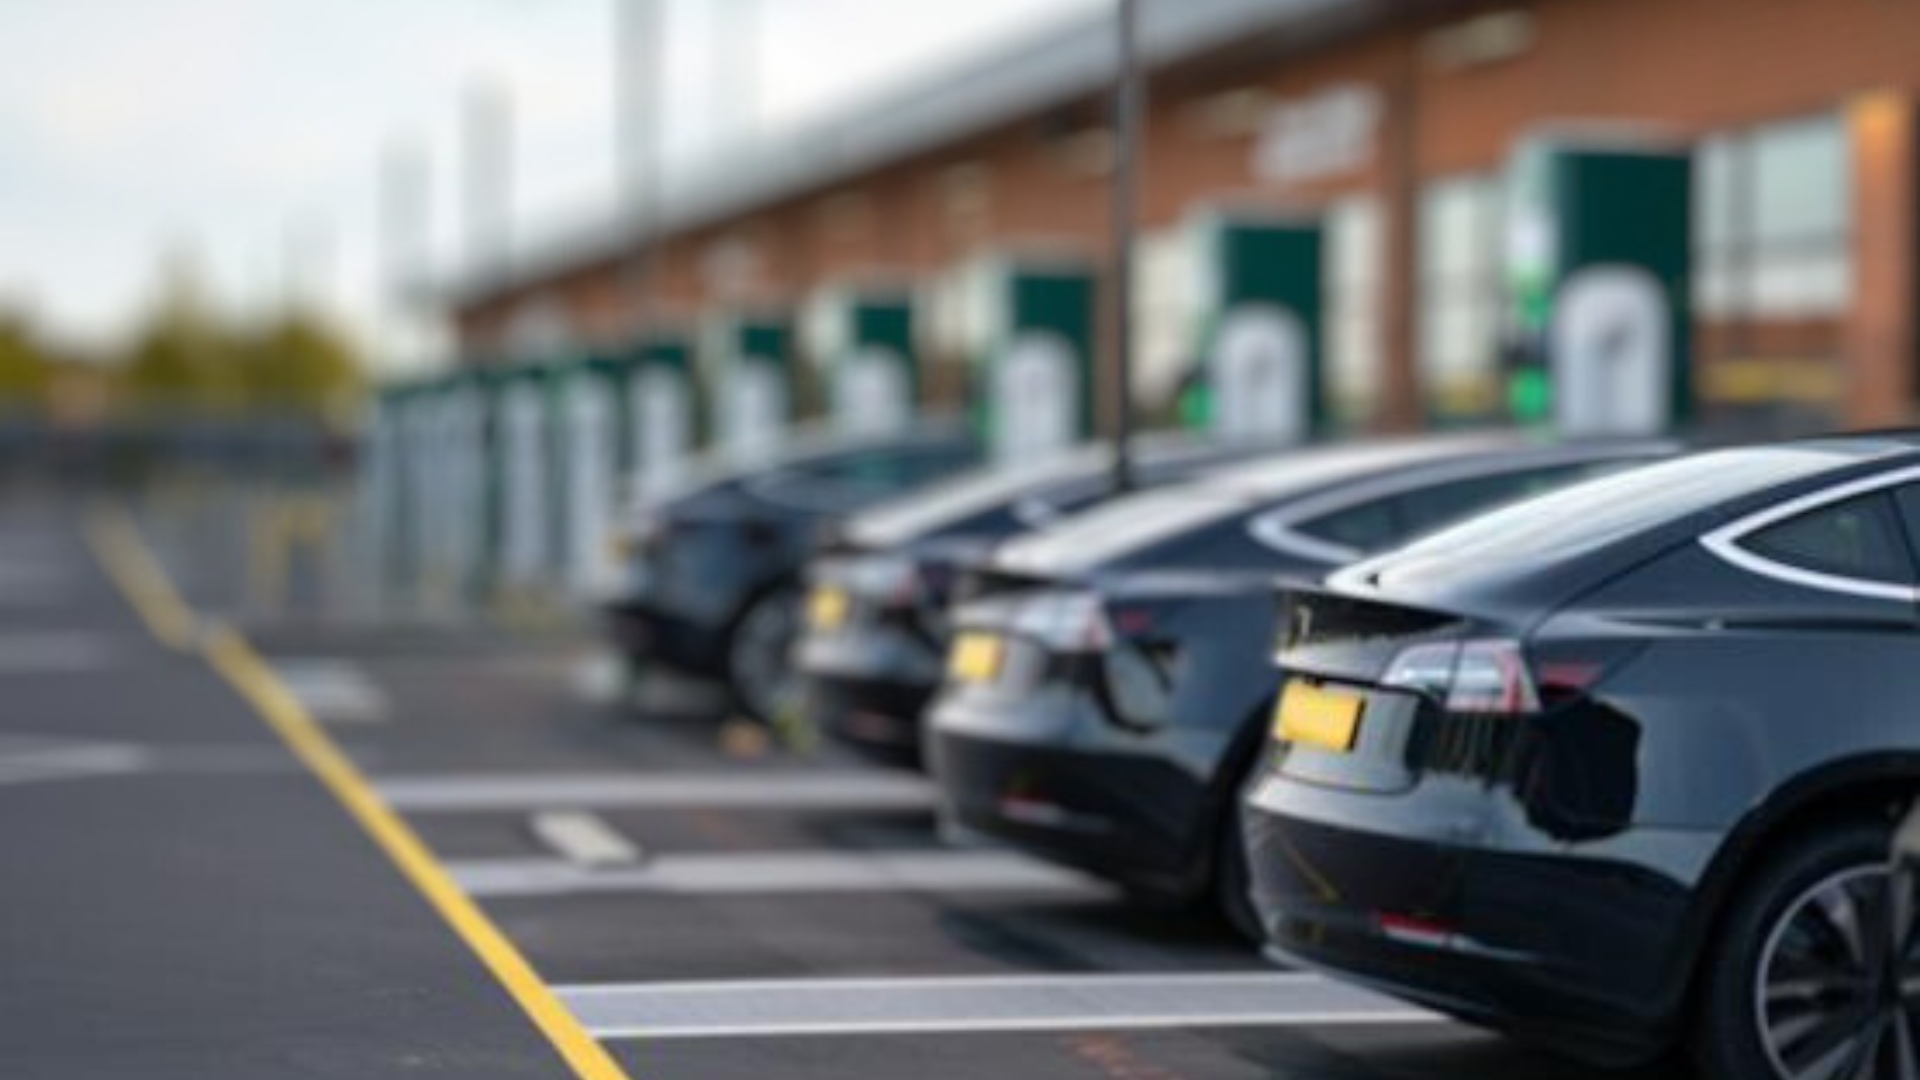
x=245 y=135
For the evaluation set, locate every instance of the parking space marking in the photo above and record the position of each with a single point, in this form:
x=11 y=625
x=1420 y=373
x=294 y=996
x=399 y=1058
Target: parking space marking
x=35 y=759
x=117 y=546
x=777 y=872
x=53 y=651
x=27 y=759
x=333 y=691
x=131 y=565
x=877 y=1006
x=741 y=789
x=33 y=584
x=583 y=838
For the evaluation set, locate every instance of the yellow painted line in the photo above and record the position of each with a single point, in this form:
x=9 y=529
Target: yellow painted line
x=117 y=545
x=235 y=660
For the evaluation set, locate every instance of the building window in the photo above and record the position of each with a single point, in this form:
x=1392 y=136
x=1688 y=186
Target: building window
x=1773 y=220
x=1459 y=294
x=1352 y=309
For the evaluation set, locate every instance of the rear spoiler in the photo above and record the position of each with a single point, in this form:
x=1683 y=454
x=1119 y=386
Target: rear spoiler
x=1320 y=631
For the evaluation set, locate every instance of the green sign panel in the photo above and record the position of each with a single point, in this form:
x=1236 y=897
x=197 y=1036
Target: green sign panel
x=1262 y=346
x=753 y=396
x=1598 y=320
x=1036 y=387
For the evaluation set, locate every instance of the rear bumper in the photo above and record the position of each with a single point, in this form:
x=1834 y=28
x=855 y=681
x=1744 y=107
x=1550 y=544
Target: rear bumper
x=1419 y=895
x=867 y=685
x=879 y=717
x=1060 y=786
x=645 y=632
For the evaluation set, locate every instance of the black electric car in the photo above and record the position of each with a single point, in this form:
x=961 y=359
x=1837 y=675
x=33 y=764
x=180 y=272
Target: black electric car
x=1106 y=700
x=870 y=654
x=713 y=570
x=1617 y=766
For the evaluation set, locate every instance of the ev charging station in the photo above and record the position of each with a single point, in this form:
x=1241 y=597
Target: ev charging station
x=433 y=453
x=464 y=407
x=660 y=412
x=526 y=473
x=1597 y=270
x=593 y=451
x=1034 y=351
x=1261 y=345
x=753 y=403
x=420 y=433
x=863 y=338
x=382 y=474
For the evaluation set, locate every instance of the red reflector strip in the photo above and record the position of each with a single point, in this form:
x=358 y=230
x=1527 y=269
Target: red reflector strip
x=1416 y=931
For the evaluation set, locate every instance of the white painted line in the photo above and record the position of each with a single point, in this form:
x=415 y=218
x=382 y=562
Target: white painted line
x=30 y=759
x=1000 y=1003
x=32 y=572
x=583 y=838
x=33 y=586
x=598 y=678
x=53 y=651
x=738 y=789
x=333 y=691
x=24 y=762
x=776 y=872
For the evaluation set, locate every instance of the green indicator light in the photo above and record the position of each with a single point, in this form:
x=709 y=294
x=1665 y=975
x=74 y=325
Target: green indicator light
x=1196 y=408
x=1529 y=395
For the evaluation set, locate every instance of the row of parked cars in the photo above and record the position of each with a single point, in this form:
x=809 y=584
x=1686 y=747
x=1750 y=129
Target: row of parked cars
x=1606 y=744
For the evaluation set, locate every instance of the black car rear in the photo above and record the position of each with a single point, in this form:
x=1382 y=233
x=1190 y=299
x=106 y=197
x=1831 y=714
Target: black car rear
x=1106 y=713
x=1599 y=768
x=877 y=614
x=713 y=571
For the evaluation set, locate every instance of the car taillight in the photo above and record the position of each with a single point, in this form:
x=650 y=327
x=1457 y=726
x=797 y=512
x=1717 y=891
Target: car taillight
x=891 y=581
x=1481 y=675
x=1491 y=677
x=1565 y=669
x=1426 y=669
x=1070 y=622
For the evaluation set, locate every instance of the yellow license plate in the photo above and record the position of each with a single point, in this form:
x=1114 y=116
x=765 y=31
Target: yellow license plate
x=1316 y=716
x=975 y=657
x=826 y=607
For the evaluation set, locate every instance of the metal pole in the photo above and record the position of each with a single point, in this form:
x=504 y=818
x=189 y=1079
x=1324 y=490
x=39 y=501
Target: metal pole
x=1124 y=198
x=639 y=85
x=402 y=249
x=487 y=116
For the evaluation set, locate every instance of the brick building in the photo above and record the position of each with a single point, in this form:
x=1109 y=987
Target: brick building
x=1389 y=121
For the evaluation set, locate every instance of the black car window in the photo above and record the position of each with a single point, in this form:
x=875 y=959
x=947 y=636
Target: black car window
x=1379 y=523
x=1366 y=527
x=1429 y=508
x=1858 y=537
x=1907 y=498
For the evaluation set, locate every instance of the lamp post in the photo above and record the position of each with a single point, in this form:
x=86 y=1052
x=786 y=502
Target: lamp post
x=1124 y=197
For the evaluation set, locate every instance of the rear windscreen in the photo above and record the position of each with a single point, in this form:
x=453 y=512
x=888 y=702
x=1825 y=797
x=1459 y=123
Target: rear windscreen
x=1591 y=514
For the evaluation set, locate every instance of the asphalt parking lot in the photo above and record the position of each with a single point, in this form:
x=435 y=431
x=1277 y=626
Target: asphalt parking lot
x=705 y=903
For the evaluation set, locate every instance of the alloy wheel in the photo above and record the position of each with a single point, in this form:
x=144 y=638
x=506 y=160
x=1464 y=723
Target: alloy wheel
x=1838 y=993
x=757 y=655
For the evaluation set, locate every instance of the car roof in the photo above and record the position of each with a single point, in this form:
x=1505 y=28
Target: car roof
x=982 y=490
x=1299 y=472
x=1115 y=529
x=1578 y=533
x=810 y=445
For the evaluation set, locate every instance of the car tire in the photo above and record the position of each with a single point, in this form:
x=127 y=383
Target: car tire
x=1785 y=921
x=1232 y=879
x=1232 y=883
x=759 y=674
